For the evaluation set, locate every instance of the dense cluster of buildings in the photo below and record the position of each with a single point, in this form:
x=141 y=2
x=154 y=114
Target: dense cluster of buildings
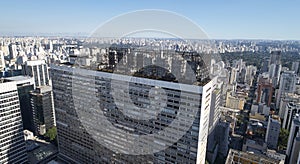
x=147 y=101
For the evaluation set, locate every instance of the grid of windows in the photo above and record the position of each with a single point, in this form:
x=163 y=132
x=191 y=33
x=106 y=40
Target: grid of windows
x=12 y=144
x=77 y=144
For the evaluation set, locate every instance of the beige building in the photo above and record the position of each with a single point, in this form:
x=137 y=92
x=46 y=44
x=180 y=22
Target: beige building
x=234 y=101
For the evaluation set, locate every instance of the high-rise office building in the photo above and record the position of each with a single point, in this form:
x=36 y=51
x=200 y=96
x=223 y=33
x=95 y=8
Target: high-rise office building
x=42 y=109
x=288 y=81
x=273 y=130
x=12 y=143
x=76 y=143
x=293 y=146
x=25 y=85
x=38 y=69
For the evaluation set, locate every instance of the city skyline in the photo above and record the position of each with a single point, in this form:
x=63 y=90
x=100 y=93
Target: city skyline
x=220 y=20
x=149 y=82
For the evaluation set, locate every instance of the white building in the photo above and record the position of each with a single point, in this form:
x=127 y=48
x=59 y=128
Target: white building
x=285 y=99
x=287 y=84
x=37 y=69
x=291 y=110
x=293 y=146
x=12 y=143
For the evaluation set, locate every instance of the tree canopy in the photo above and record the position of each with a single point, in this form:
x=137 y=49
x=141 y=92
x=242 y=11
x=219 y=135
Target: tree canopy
x=283 y=138
x=51 y=133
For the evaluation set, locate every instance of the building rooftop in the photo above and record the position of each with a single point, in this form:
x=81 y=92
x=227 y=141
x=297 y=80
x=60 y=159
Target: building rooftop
x=276 y=117
x=258 y=116
x=40 y=151
x=235 y=156
x=199 y=82
x=18 y=78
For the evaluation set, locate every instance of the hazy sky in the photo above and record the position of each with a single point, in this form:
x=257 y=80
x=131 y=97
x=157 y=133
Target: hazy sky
x=222 y=19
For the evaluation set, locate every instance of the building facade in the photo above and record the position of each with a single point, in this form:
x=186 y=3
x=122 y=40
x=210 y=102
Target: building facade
x=293 y=146
x=42 y=109
x=12 y=143
x=38 y=69
x=78 y=145
x=264 y=91
x=25 y=85
x=2 y=61
x=288 y=81
x=291 y=110
x=287 y=98
x=273 y=130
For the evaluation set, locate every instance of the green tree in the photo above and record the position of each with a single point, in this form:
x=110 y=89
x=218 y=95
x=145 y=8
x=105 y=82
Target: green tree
x=283 y=138
x=51 y=133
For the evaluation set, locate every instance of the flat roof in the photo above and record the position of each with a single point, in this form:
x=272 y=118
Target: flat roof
x=133 y=79
x=18 y=78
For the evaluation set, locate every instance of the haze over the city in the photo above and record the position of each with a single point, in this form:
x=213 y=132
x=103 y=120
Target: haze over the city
x=232 y=19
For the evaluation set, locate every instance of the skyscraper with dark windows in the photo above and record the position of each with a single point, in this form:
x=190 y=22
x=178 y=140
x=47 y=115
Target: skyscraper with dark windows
x=99 y=115
x=43 y=115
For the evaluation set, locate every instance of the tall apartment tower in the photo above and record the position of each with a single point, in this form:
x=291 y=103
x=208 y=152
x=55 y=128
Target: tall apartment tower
x=285 y=100
x=274 y=73
x=265 y=65
x=275 y=67
x=233 y=75
x=42 y=109
x=37 y=69
x=293 y=146
x=78 y=145
x=273 y=130
x=275 y=57
x=12 y=143
x=288 y=81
